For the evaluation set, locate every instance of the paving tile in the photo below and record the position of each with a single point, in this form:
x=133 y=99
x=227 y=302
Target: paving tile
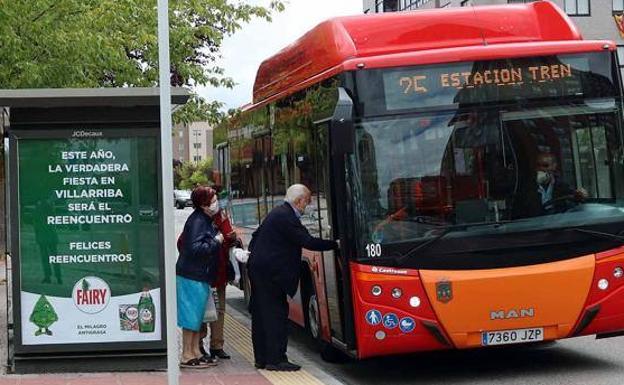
x=241 y=379
x=200 y=378
x=110 y=379
x=42 y=379
x=142 y=378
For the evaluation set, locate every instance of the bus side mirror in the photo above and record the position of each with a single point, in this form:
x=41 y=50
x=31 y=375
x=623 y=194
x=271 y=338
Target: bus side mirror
x=342 y=129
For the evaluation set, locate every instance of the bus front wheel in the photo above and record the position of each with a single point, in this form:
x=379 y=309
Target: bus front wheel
x=313 y=325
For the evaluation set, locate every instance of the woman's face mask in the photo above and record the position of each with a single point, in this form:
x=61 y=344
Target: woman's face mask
x=213 y=208
x=223 y=204
x=542 y=177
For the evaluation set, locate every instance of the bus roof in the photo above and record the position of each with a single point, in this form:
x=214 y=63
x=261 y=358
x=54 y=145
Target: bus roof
x=337 y=40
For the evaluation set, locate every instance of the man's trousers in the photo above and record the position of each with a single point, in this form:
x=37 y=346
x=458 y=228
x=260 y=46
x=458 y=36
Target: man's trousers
x=269 y=319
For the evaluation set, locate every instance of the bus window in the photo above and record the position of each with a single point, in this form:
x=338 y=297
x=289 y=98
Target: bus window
x=246 y=173
x=305 y=173
x=293 y=143
x=592 y=164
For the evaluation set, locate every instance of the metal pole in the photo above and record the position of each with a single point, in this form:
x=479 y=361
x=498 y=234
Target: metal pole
x=173 y=369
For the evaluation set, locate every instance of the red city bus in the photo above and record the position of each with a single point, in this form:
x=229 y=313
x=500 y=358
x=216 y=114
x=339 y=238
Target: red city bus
x=470 y=160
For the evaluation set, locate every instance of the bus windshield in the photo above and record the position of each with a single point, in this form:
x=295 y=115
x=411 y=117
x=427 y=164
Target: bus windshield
x=492 y=164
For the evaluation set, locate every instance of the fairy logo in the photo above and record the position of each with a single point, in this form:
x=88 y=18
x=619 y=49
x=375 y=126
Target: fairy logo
x=91 y=295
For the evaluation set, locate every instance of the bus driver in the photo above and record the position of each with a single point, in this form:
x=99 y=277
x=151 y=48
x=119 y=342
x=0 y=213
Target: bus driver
x=553 y=193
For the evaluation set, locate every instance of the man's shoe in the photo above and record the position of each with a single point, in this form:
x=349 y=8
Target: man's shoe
x=259 y=365
x=219 y=353
x=284 y=366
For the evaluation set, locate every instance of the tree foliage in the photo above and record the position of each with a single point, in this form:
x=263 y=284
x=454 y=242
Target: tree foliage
x=190 y=174
x=113 y=43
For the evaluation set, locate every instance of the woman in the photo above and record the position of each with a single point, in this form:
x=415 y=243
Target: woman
x=221 y=272
x=201 y=243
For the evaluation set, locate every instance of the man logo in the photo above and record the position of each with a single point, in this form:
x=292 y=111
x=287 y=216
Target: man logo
x=444 y=291
x=512 y=314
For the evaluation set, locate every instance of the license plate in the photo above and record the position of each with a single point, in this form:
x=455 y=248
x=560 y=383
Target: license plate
x=513 y=336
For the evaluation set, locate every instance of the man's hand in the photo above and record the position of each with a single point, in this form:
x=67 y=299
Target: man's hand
x=337 y=244
x=219 y=237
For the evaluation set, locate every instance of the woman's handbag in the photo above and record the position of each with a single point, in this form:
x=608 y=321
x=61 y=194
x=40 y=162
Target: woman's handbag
x=210 y=313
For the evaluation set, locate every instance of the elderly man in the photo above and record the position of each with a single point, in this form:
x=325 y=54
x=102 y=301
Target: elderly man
x=274 y=267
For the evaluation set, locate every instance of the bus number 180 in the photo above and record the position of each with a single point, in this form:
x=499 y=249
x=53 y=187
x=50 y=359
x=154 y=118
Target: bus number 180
x=373 y=250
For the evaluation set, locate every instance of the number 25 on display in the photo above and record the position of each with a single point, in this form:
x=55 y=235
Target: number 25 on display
x=373 y=250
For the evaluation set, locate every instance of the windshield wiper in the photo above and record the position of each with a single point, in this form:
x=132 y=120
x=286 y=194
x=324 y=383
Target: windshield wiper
x=599 y=234
x=446 y=230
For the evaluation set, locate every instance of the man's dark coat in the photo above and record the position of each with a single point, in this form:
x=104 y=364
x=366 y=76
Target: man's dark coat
x=276 y=248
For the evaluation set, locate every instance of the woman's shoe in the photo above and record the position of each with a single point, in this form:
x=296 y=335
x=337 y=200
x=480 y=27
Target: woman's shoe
x=219 y=353
x=194 y=363
x=208 y=360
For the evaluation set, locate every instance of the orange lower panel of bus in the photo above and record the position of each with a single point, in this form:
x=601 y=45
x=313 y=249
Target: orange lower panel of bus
x=476 y=308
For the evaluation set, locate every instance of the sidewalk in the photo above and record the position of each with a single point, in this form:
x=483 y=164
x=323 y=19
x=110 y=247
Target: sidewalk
x=238 y=370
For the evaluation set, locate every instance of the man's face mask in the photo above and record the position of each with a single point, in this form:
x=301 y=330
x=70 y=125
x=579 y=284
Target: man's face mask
x=542 y=177
x=304 y=210
x=308 y=210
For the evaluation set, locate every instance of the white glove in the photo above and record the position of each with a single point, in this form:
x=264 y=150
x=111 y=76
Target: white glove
x=219 y=237
x=241 y=255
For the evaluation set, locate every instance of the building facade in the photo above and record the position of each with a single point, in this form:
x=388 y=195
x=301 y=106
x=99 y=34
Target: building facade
x=596 y=19
x=192 y=142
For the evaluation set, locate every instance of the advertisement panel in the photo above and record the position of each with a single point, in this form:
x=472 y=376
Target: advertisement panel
x=89 y=245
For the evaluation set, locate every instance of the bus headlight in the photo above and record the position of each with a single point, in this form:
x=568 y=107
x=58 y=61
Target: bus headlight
x=618 y=272
x=603 y=284
x=376 y=290
x=396 y=292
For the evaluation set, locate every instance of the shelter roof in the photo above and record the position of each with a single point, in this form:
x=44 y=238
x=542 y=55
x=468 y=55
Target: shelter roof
x=88 y=97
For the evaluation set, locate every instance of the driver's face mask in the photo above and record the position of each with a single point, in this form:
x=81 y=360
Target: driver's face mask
x=542 y=177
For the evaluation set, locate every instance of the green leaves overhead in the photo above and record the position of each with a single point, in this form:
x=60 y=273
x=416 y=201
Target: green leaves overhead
x=113 y=43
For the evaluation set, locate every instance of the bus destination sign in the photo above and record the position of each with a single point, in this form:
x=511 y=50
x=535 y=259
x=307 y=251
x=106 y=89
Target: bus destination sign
x=488 y=81
x=500 y=77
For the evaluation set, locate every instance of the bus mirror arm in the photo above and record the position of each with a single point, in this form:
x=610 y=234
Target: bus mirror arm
x=341 y=127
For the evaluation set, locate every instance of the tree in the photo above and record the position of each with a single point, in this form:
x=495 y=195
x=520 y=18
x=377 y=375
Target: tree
x=43 y=315
x=113 y=43
x=192 y=174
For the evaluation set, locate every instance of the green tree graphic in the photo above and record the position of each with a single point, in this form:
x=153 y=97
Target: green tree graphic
x=43 y=315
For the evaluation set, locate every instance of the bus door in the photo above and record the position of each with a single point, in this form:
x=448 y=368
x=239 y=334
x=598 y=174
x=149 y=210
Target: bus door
x=331 y=263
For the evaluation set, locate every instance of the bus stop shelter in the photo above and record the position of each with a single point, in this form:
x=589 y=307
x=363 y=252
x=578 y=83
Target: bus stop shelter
x=84 y=228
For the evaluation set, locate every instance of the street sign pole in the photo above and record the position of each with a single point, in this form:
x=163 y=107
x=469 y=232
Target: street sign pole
x=167 y=190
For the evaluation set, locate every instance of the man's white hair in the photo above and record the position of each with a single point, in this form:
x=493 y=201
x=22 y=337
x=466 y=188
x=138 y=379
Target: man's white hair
x=296 y=192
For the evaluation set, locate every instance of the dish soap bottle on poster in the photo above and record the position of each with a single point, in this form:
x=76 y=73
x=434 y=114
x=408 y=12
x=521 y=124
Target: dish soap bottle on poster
x=147 y=313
